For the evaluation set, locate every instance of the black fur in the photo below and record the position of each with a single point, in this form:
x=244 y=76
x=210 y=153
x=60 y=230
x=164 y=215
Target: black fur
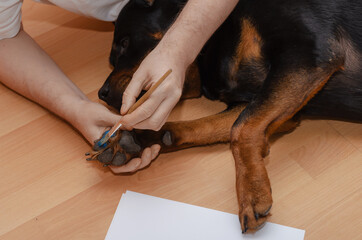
x=300 y=56
x=304 y=27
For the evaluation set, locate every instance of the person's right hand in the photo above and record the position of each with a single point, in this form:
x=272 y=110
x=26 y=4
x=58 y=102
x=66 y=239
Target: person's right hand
x=153 y=113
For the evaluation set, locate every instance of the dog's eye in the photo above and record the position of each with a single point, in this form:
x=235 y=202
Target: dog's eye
x=124 y=44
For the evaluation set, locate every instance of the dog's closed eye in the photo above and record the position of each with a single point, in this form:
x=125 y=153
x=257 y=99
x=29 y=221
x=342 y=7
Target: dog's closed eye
x=122 y=47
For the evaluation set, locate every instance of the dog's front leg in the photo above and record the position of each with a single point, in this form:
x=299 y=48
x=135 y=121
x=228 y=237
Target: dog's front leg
x=286 y=90
x=173 y=136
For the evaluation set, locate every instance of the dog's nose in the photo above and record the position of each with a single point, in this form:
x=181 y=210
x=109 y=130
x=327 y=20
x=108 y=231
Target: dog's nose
x=103 y=92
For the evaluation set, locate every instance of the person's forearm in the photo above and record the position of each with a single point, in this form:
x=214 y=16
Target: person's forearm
x=28 y=70
x=197 y=22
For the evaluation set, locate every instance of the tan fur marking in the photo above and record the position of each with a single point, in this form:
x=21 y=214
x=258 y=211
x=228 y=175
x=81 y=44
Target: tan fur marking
x=249 y=46
x=342 y=45
x=192 y=85
x=157 y=35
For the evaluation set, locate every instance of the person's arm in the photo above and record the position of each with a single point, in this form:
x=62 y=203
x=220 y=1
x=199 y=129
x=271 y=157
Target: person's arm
x=177 y=50
x=28 y=70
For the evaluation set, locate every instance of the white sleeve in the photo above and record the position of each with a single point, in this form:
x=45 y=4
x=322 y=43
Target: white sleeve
x=106 y=10
x=10 y=18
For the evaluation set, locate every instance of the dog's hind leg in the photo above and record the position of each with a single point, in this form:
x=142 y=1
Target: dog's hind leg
x=286 y=90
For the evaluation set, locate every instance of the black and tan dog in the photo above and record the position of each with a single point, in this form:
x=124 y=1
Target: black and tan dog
x=278 y=58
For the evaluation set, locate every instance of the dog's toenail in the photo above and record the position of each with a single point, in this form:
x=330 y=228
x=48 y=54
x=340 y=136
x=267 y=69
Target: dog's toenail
x=119 y=159
x=266 y=212
x=89 y=159
x=256 y=215
x=167 y=138
x=260 y=226
x=87 y=153
x=245 y=224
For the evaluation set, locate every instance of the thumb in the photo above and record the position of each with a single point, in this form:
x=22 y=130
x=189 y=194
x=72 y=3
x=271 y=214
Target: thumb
x=132 y=91
x=108 y=118
x=112 y=119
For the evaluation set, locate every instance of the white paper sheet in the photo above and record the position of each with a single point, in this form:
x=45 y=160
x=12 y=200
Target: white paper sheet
x=140 y=217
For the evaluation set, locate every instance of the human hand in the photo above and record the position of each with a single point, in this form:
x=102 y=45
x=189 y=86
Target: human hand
x=153 y=113
x=136 y=164
x=93 y=119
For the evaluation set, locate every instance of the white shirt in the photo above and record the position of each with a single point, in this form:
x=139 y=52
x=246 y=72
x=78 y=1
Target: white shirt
x=10 y=12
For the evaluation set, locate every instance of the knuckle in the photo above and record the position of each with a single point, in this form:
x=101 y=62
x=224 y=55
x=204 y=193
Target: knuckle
x=169 y=87
x=126 y=97
x=172 y=90
x=178 y=92
x=154 y=125
x=157 y=125
x=145 y=112
x=153 y=128
x=175 y=91
x=126 y=93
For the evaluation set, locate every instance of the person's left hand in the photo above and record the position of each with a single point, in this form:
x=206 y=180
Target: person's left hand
x=93 y=119
x=136 y=164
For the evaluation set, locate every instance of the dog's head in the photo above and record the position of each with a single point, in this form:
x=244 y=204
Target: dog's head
x=139 y=27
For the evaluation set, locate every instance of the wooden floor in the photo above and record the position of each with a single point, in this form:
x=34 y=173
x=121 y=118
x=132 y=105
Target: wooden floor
x=48 y=190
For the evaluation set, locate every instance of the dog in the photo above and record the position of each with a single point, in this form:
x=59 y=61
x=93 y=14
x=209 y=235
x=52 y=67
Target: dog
x=270 y=62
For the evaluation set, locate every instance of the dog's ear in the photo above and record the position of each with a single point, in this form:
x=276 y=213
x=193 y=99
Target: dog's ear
x=145 y=3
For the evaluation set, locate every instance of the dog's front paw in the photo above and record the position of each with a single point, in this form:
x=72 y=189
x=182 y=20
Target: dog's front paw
x=126 y=145
x=255 y=199
x=119 y=150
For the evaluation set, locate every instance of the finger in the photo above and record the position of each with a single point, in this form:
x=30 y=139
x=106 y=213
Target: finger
x=159 y=117
x=133 y=90
x=110 y=119
x=149 y=154
x=146 y=157
x=144 y=111
x=155 y=149
x=132 y=166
